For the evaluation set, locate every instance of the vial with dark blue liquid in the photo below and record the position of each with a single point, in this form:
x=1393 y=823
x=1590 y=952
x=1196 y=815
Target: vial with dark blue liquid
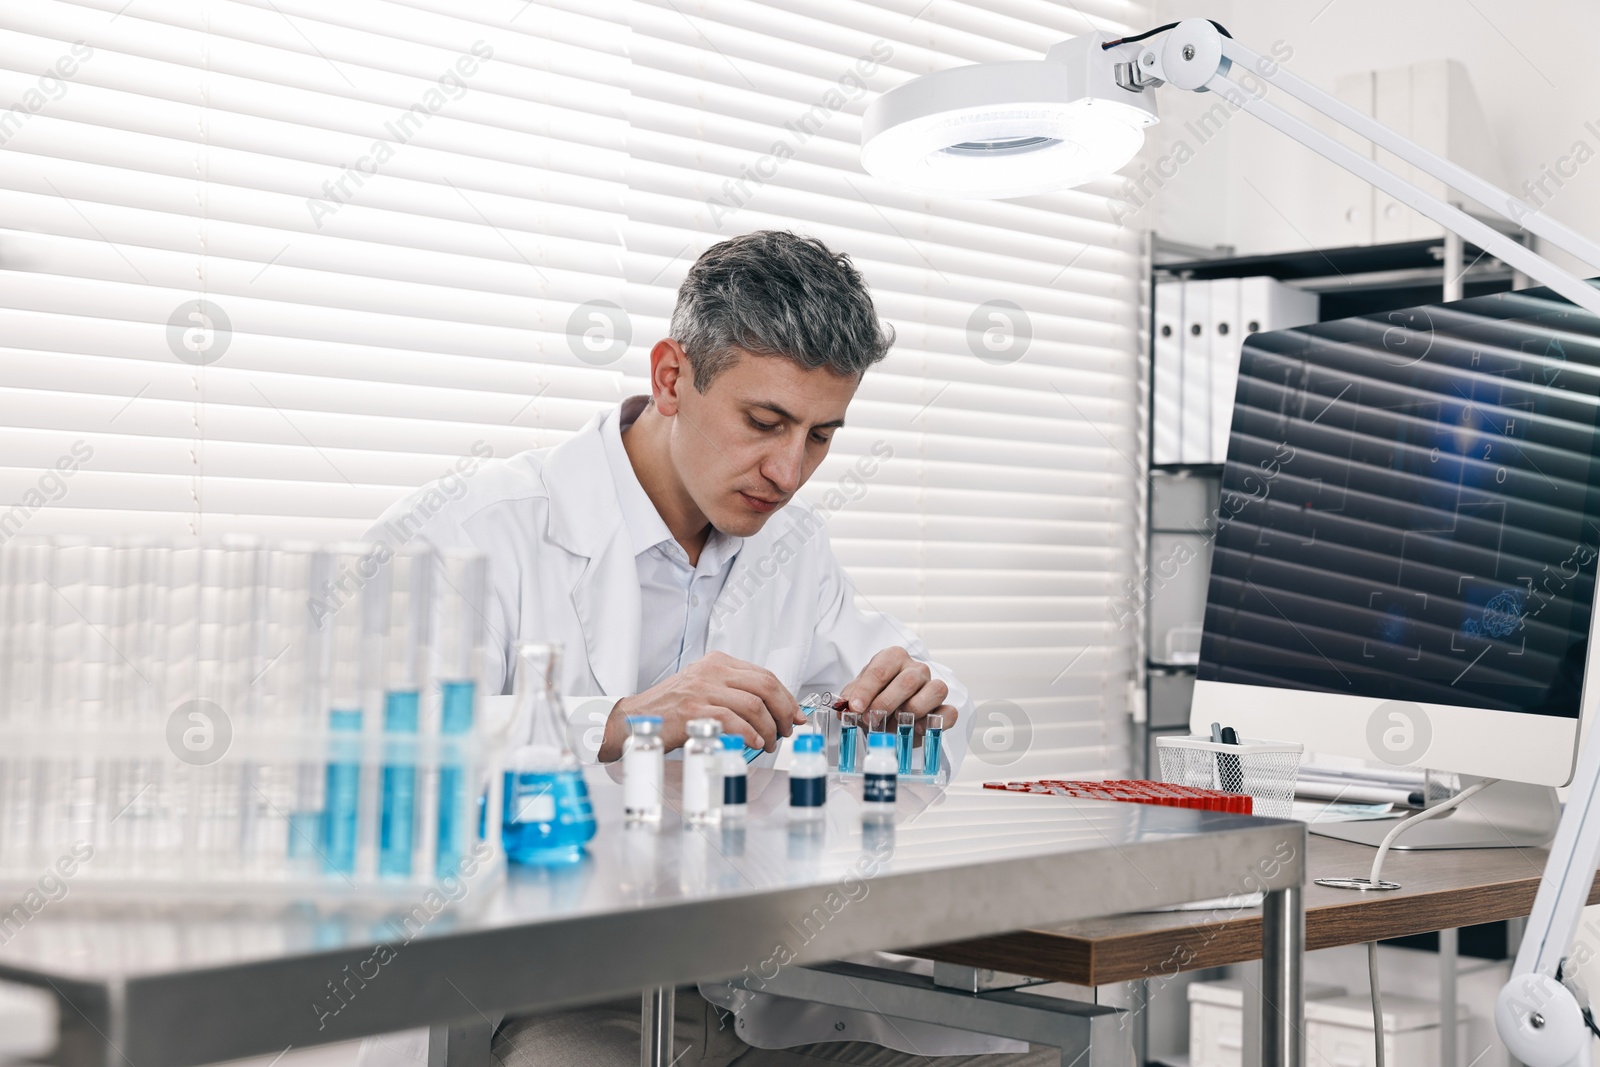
x=808 y=778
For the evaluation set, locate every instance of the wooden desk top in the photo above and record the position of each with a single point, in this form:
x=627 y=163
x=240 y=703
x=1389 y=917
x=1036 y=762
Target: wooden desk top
x=1441 y=889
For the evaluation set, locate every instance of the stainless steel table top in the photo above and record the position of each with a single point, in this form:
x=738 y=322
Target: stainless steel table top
x=648 y=906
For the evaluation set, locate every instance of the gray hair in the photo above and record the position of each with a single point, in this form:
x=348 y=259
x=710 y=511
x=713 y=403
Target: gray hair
x=774 y=293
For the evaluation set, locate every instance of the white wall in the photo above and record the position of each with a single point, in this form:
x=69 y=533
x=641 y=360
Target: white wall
x=1532 y=66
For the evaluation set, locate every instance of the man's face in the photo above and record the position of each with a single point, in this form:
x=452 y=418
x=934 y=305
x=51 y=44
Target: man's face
x=747 y=444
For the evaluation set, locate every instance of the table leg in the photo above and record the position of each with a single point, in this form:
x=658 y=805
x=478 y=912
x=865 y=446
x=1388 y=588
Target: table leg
x=1283 y=1007
x=1449 y=943
x=657 y=1010
x=460 y=1044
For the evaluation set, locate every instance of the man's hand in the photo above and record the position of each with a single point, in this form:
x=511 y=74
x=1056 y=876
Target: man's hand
x=892 y=682
x=746 y=699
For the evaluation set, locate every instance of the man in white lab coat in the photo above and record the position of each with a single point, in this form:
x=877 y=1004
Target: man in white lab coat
x=664 y=547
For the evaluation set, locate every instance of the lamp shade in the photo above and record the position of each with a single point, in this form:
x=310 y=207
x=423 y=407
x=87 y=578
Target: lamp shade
x=997 y=130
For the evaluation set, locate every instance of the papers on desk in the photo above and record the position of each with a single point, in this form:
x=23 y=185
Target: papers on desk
x=1320 y=811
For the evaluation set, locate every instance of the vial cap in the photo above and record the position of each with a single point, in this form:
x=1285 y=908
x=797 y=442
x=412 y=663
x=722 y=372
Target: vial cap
x=808 y=743
x=644 y=724
x=733 y=742
x=880 y=741
x=704 y=727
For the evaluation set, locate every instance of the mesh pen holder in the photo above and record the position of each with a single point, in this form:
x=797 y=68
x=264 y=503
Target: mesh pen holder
x=1263 y=770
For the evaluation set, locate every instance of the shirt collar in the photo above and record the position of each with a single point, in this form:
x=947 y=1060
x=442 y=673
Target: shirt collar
x=646 y=527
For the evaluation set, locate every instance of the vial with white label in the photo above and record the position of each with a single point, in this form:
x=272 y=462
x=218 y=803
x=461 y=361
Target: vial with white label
x=878 y=777
x=808 y=778
x=642 y=767
x=735 y=780
x=702 y=772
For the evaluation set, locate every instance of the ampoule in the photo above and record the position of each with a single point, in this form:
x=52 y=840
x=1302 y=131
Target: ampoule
x=642 y=769
x=849 y=736
x=808 y=778
x=878 y=779
x=735 y=780
x=905 y=725
x=702 y=772
x=932 y=739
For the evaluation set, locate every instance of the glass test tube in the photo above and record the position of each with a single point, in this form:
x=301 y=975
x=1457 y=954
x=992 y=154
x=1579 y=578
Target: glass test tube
x=462 y=604
x=932 y=742
x=849 y=739
x=408 y=607
x=905 y=725
x=339 y=612
x=288 y=704
x=877 y=721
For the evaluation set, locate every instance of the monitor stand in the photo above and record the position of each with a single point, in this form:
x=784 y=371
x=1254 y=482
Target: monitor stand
x=1505 y=815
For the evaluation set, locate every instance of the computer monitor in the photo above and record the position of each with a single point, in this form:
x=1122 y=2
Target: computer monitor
x=1404 y=564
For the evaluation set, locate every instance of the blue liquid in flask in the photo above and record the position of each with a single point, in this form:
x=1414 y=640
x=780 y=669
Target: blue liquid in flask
x=547 y=818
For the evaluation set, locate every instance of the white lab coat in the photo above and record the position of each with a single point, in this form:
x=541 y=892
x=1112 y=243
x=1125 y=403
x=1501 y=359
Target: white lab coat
x=561 y=569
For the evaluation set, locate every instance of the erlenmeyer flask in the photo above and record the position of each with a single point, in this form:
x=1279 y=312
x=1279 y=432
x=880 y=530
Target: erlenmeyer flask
x=547 y=816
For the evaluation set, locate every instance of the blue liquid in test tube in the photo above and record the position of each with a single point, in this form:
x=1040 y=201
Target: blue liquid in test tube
x=455 y=720
x=849 y=739
x=397 y=824
x=932 y=740
x=905 y=727
x=343 y=794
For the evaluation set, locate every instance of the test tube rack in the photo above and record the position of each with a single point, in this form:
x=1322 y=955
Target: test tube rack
x=145 y=826
x=1132 y=791
x=225 y=720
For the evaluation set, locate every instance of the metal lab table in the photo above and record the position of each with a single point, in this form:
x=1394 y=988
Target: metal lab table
x=655 y=907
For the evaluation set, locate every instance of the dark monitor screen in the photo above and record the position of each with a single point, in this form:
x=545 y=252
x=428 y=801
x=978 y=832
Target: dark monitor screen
x=1411 y=507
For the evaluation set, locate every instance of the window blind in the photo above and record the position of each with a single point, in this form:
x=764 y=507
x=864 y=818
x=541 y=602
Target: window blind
x=271 y=264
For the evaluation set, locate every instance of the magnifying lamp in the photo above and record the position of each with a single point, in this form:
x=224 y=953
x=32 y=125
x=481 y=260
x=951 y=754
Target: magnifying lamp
x=1000 y=130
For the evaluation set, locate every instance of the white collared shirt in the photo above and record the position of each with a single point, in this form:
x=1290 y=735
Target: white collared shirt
x=675 y=596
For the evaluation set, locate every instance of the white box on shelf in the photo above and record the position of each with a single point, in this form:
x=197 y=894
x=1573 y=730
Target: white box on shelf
x=1166 y=400
x=1216 y=1021
x=1338 y=1027
x=1196 y=373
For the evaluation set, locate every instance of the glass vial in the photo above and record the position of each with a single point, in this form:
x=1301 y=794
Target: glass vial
x=878 y=781
x=808 y=778
x=546 y=817
x=702 y=772
x=735 y=780
x=642 y=768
